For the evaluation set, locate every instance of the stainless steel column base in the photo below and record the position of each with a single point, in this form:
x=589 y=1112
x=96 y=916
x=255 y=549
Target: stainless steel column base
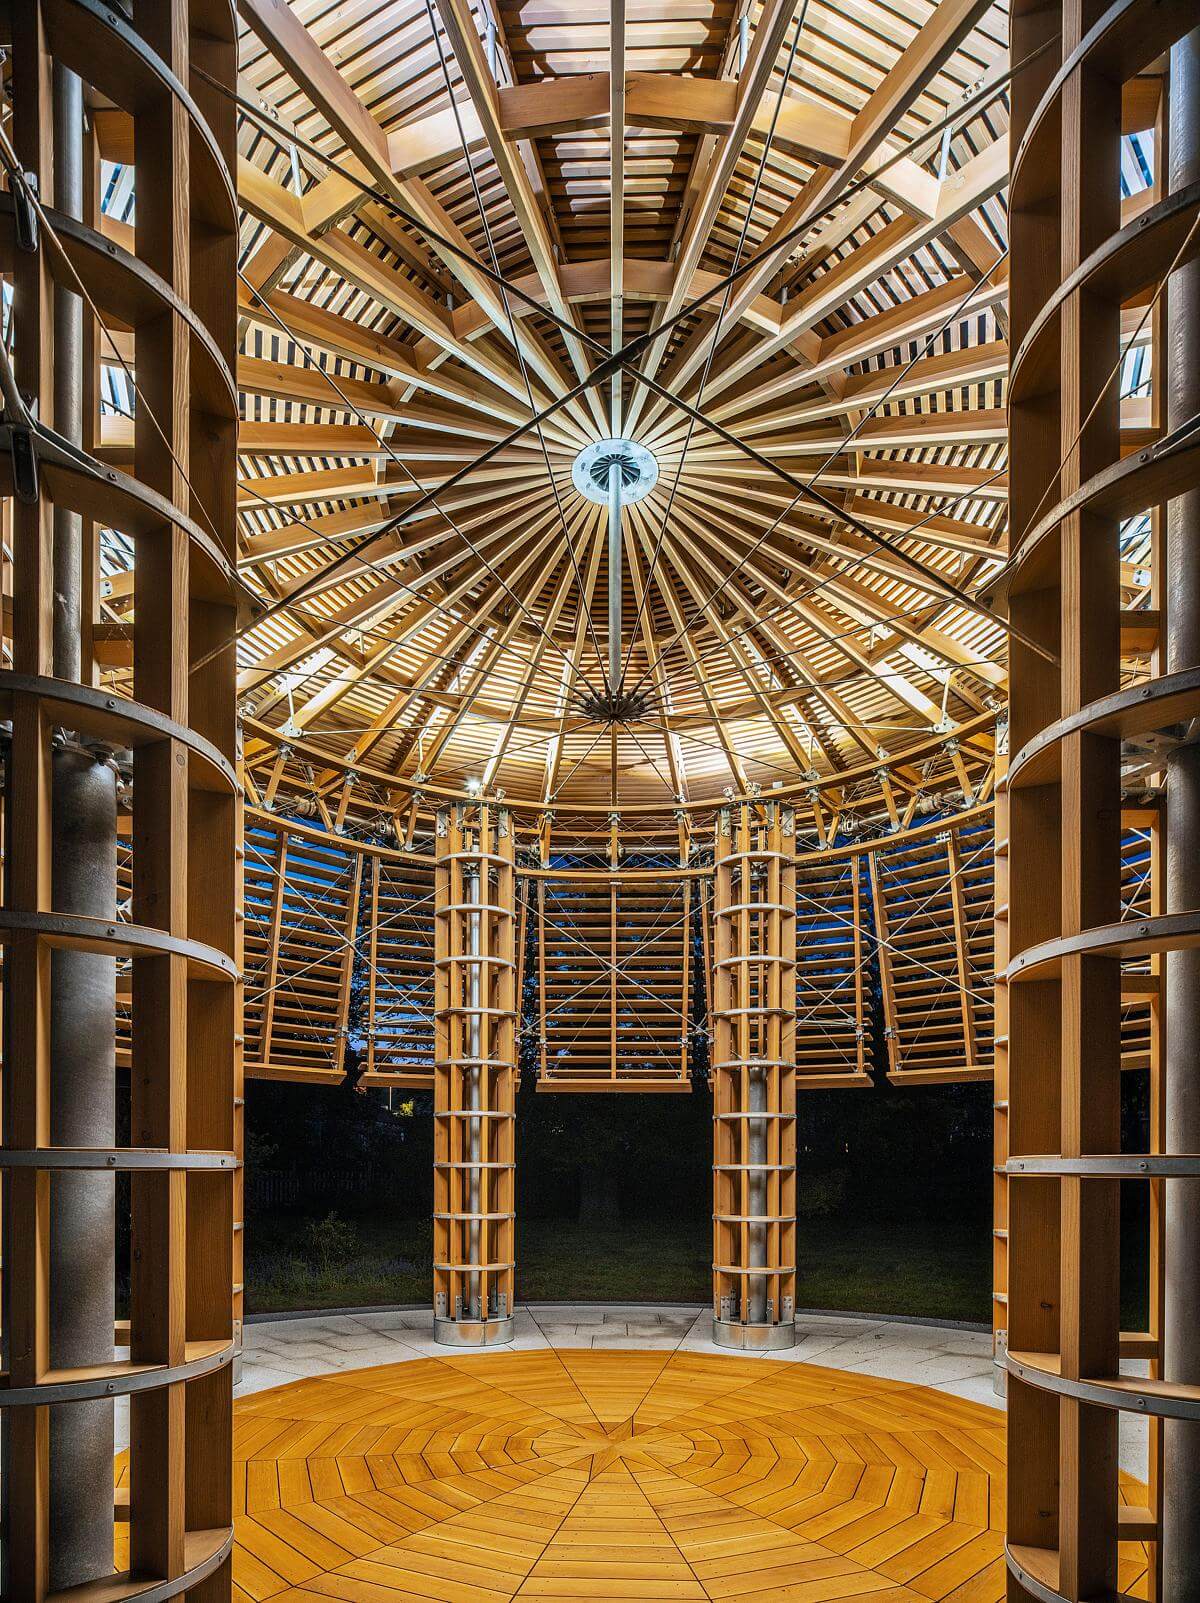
x=1000 y=1364
x=474 y=1332
x=753 y=1338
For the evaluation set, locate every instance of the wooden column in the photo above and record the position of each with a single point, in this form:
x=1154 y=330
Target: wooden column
x=1181 y=1086
x=1000 y=944
x=175 y=295
x=754 y=1076
x=1076 y=276
x=475 y=1072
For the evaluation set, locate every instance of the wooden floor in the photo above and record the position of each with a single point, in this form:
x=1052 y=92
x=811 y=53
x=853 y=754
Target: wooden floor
x=617 y=1475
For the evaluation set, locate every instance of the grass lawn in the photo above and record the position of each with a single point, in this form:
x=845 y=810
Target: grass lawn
x=938 y=1269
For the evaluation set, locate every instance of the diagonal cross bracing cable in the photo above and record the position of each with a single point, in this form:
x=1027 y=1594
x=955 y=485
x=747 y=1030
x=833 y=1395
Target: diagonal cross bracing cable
x=715 y=338
x=512 y=327
x=611 y=362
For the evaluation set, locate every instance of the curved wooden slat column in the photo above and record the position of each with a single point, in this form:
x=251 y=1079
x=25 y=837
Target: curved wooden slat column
x=754 y=1076
x=174 y=294
x=475 y=1072
x=1073 y=270
x=1180 y=1102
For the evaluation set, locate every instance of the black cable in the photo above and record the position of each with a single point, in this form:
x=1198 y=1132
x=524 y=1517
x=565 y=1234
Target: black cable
x=512 y=331
x=611 y=363
x=715 y=336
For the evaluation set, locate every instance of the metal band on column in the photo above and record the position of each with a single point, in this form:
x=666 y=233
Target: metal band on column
x=754 y=1077
x=475 y=1070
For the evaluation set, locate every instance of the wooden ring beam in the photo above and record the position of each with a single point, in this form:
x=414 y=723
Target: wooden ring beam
x=118 y=1379
x=116 y=1160
x=80 y=933
x=1120 y=268
x=96 y=41
x=1123 y=1165
x=1121 y=43
x=123 y=723
x=1135 y=710
x=1166 y=932
x=967 y=733
x=76 y=481
x=127 y=292
x=1031 y=1569
x=1123 y=488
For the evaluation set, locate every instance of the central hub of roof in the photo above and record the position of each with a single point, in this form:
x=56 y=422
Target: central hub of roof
x=638 y=468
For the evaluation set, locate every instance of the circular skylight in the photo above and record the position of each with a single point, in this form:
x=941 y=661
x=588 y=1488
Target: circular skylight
x=639 y=470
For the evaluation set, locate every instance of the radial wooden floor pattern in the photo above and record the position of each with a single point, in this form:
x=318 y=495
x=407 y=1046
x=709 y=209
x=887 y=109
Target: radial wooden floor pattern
x=564 y=1474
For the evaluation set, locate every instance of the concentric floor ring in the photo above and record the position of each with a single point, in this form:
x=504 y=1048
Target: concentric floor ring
x=561 y=1475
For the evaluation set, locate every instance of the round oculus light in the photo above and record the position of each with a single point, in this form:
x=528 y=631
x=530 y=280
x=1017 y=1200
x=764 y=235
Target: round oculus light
x=590 y=473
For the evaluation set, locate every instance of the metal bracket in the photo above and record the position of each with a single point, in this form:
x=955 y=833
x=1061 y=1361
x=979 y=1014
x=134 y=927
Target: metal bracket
x=1147 y=753
x=18 y=437
x=26 y=213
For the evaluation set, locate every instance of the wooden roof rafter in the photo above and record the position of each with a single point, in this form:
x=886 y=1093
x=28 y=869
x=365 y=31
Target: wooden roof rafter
x=823 y=646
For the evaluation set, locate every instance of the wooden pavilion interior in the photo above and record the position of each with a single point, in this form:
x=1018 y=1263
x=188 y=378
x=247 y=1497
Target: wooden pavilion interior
x=614 y=544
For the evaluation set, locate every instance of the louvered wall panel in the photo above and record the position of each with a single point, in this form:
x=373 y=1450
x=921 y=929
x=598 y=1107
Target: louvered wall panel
x=933 y=905
x=398 y=950
x=614 y=962
x=833 y=1006
x=302 y=896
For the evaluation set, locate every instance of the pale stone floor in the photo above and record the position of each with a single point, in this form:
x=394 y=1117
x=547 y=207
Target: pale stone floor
x=944 y=1357
x=959 y=1361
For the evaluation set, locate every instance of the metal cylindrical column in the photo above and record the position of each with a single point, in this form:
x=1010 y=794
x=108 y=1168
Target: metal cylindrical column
x=754 y=1078
x=1181 y=1279
x=474 y=1099
x=756 y=1189
x=82 y=984
x=83 y=1205
x=615 y=577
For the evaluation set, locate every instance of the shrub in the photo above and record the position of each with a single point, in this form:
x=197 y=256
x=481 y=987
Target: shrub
x=820 y=1196
x=331 y=1240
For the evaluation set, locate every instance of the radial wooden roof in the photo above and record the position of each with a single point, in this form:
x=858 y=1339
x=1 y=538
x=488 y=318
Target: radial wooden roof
x=768 y=635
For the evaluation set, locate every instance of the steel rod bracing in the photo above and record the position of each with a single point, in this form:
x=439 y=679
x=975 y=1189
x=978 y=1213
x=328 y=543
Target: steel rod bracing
x=633 y=349
x=714 y=335
x=510 y=321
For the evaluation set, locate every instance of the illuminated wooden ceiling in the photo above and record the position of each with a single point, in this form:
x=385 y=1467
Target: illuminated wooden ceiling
x=765 y=635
